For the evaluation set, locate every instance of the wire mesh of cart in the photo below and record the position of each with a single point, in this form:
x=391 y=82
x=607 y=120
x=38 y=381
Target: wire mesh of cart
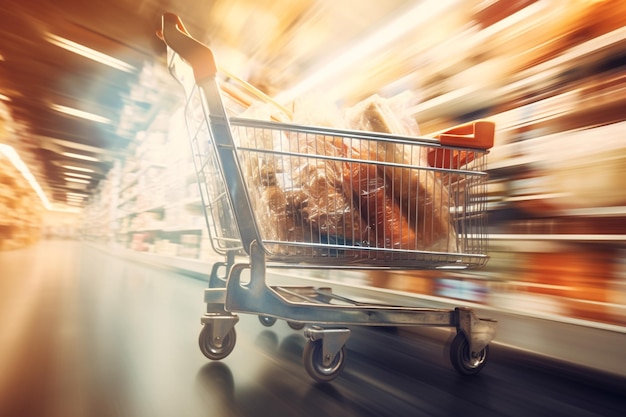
x=284 y=195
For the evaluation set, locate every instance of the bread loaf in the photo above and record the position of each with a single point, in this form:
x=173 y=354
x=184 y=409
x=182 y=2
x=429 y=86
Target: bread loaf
x=325 y=203
x=388 y=227
x=267 y=176
x=423 y=197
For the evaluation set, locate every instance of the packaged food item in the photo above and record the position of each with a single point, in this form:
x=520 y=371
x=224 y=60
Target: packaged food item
x=385 y=115
x=388 y=227
x=422 y=195
x=325 y=201
x=267 y=175
x=302 y=196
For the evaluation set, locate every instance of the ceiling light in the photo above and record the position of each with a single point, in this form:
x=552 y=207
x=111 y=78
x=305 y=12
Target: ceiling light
x=76 y=180
x=5 y=98
x=78 y=168
x=15 y=159
x=74 y=199
x=80 y=156
x=79 y=113
x=87 y=52
x=72 y=174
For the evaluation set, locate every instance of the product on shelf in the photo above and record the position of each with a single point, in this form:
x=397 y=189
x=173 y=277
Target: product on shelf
x=20 y=209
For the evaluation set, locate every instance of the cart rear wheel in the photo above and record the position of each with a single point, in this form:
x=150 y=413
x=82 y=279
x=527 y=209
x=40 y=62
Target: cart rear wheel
x=295 y=325
x=461 y=356
x=313 y=358
x=267 y=321
x=211 y=348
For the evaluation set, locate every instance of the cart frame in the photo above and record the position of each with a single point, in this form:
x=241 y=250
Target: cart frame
x=241 y=287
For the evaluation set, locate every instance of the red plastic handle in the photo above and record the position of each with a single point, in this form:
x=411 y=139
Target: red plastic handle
x=197 y=54
x=474 y=135
x=477 y=135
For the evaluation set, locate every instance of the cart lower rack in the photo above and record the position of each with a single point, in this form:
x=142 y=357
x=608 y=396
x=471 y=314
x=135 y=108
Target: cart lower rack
x=284 y=195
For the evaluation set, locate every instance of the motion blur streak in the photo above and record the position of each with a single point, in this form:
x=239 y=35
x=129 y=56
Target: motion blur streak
x=96 y=317
x=102 y=336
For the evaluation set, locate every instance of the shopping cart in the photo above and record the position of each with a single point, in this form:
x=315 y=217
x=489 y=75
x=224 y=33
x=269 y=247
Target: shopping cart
x=283 y=195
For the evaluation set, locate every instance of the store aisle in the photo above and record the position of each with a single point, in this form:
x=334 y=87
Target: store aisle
x=88 y=334
x=39 y=330
x=84 y=334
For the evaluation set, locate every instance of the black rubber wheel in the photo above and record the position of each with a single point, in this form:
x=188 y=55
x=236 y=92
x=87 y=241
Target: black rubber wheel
x=267 y=321
x=210 y=349
x=462 y=359
x=312 y=356
x=295 y=325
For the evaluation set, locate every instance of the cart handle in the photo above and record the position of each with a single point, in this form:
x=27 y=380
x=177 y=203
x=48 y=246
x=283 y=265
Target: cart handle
x=198 y=55
x=478 y=134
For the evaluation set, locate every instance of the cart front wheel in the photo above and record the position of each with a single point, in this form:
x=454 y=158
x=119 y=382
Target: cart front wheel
x=267 y=321
x=313 y=358
x=212 y=349
x=462 y=358
x=295 y=325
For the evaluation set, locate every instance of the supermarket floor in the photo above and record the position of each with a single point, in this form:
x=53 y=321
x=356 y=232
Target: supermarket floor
x=83 y=333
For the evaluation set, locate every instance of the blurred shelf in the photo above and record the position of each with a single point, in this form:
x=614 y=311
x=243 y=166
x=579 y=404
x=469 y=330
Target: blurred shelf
x=558 y=237
x=619 y=211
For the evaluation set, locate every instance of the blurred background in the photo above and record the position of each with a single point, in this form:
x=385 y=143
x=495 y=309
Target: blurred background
x=96 y=182
x=93 y=144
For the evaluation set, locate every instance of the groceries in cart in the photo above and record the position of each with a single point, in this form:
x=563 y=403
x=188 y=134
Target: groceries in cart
x=355 y=193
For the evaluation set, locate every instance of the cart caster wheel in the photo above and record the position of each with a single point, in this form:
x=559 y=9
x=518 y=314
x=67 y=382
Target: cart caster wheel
x=462 y=359
x=213 y=350
x=267 y=321
x=313 y=359
x=294 y=325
